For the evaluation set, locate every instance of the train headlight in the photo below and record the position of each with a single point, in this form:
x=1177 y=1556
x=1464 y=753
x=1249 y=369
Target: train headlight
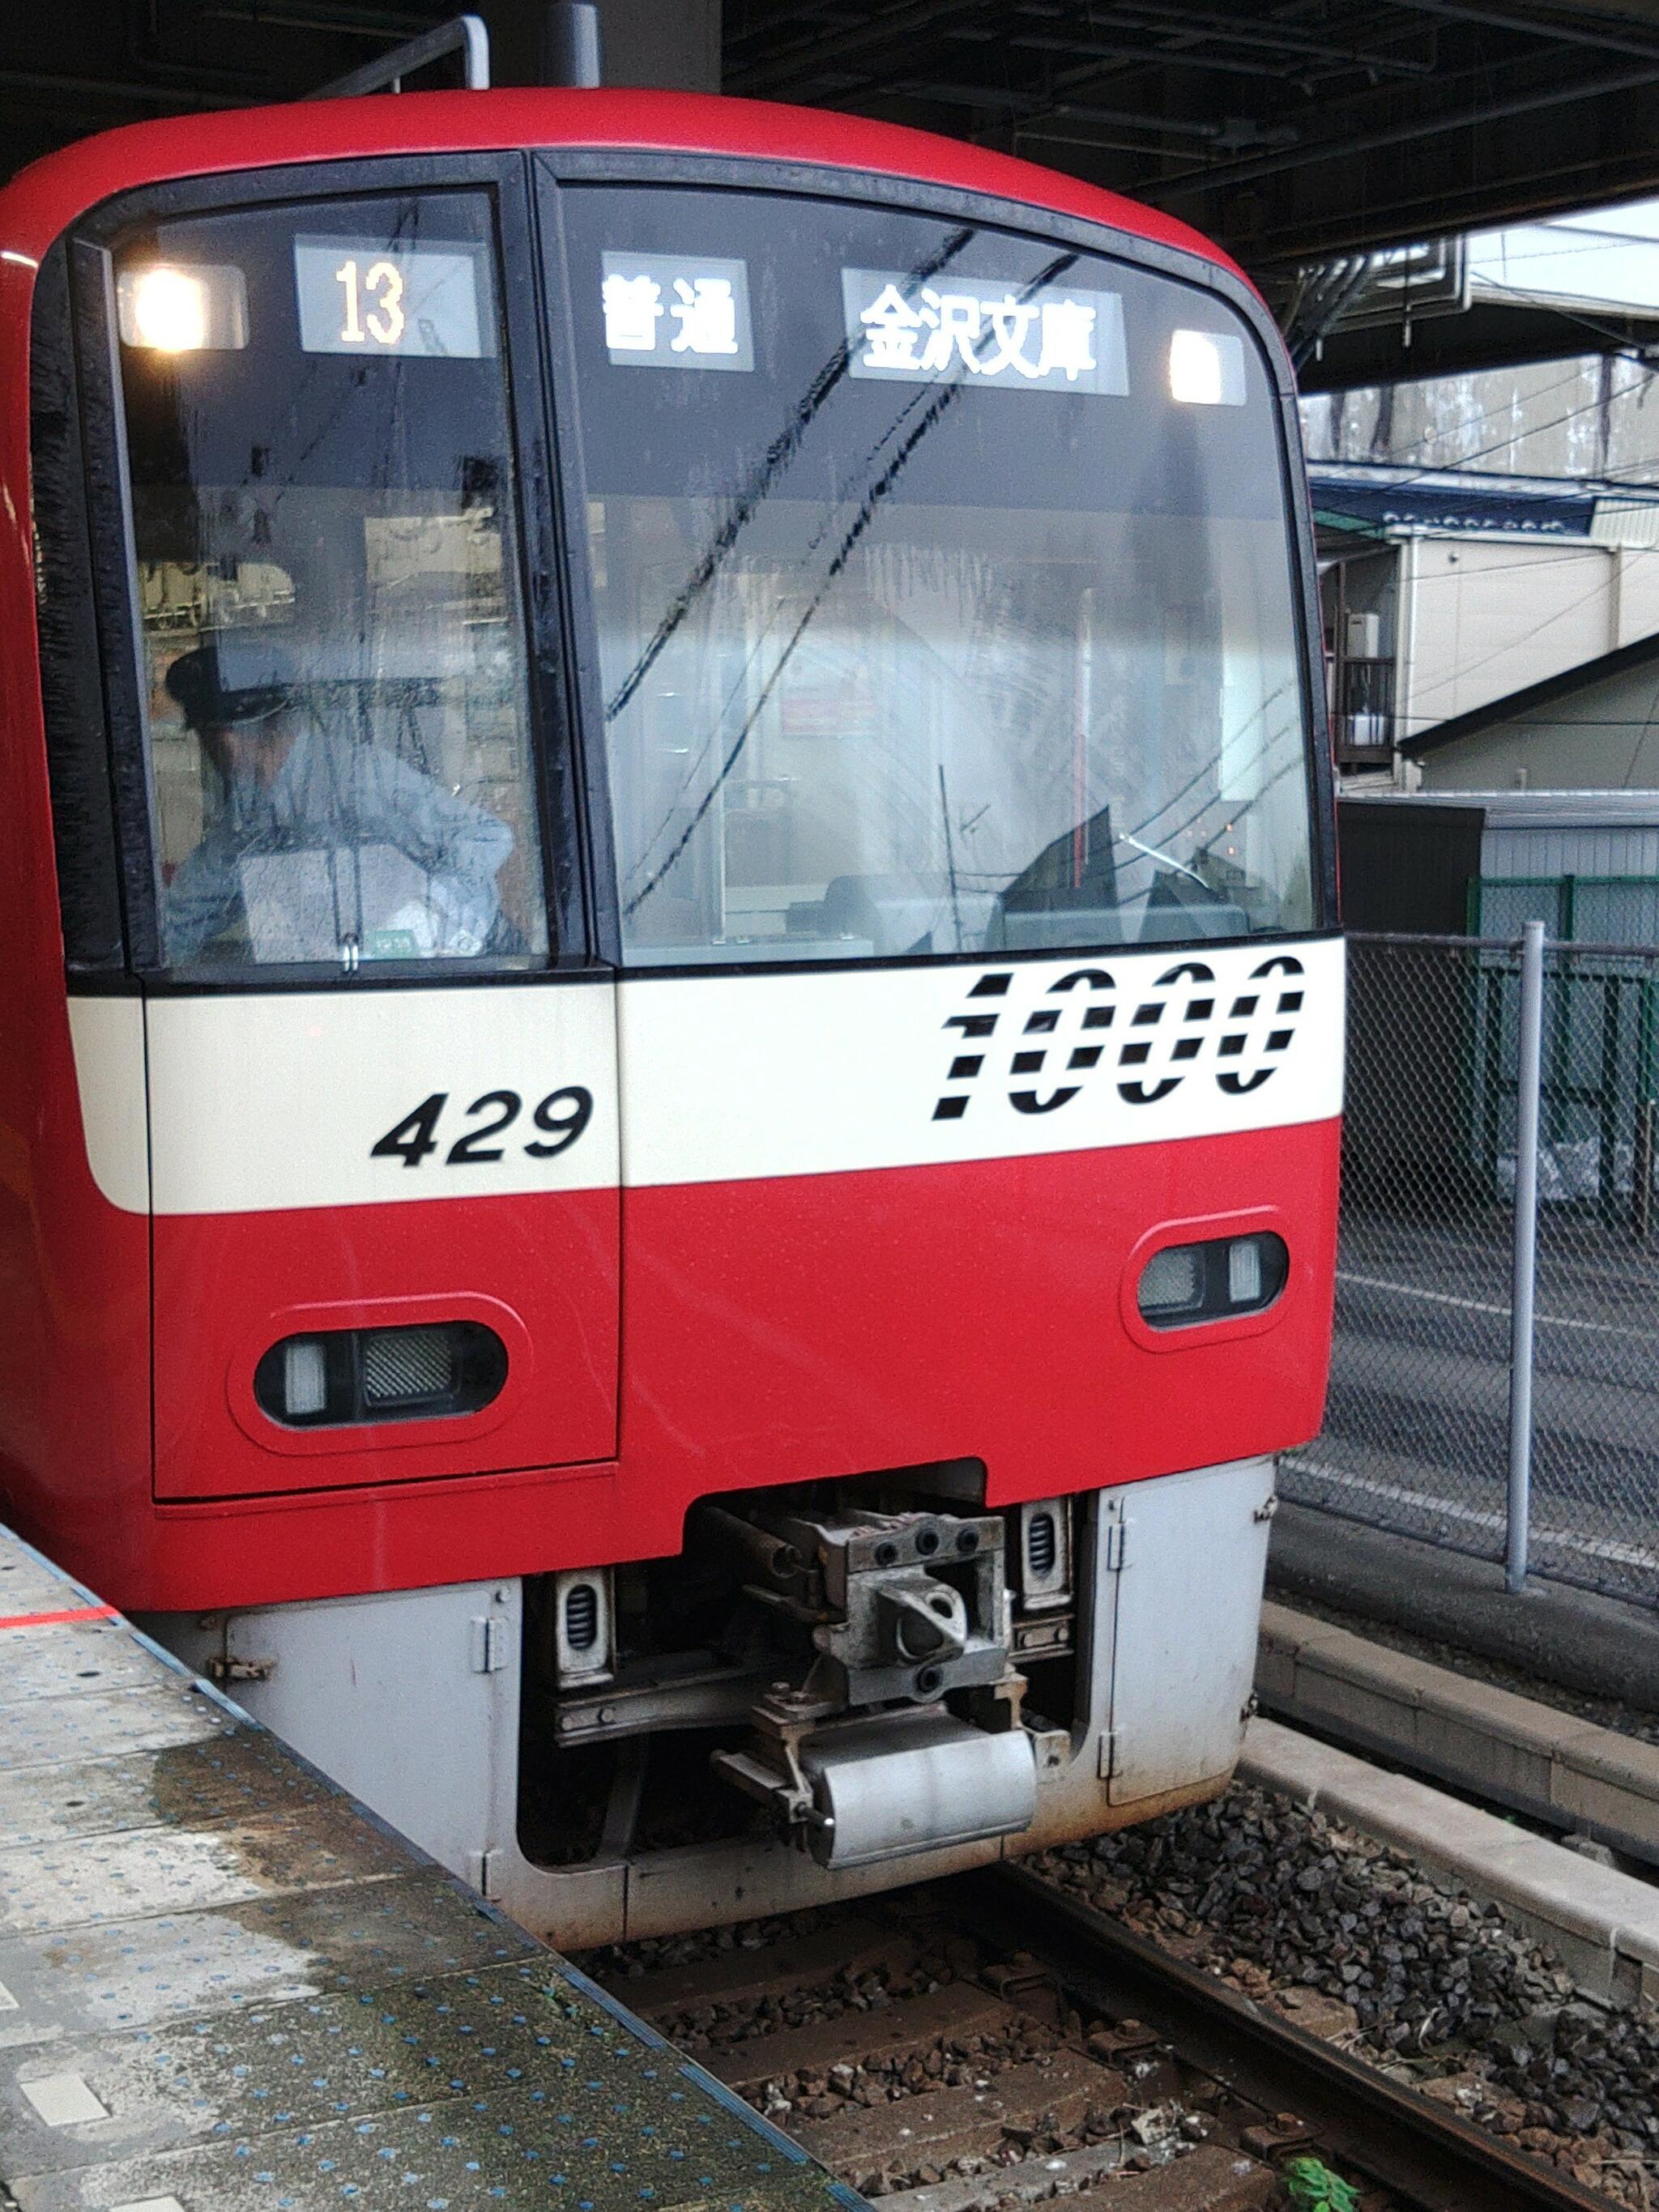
x=407 y=1366
x=162 y=309
x=1207 y=368
x=1186 y=1284
x=1172 y=1283
x=405 y=1374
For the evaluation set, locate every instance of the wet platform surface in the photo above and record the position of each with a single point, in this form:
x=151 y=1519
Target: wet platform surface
x=225 y=1985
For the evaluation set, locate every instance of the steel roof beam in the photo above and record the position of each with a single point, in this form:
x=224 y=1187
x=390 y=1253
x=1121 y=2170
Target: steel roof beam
x=1552 y=30
x=873 y=32
x=336 y=22
x=982 y=96
x=766 y=66
x=117 y=93
x=1275 y=39
x=1345 y=144
x=763 y=38
x=1135 y=57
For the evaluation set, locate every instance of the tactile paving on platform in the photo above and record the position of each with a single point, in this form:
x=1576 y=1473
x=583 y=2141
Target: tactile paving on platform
x=226 y=1988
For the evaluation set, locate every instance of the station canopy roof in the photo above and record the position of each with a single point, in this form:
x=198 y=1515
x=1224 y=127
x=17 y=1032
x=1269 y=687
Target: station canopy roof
x=1308 y=136
x=1566 y=285
x=1375 y=501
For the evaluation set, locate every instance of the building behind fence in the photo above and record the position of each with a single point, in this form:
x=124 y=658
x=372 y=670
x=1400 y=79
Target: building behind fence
x=1418 y=1432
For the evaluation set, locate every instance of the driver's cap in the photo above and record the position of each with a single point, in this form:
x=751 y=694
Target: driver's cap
x=216 y=694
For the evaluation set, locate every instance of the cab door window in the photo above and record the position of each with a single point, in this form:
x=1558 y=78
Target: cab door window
x=336 y=704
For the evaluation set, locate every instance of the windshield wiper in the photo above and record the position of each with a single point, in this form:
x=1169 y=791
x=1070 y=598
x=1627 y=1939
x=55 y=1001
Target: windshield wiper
x=1156 y=852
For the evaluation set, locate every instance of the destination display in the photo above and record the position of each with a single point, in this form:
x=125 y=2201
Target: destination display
x=1025 y=338
x=371 y=296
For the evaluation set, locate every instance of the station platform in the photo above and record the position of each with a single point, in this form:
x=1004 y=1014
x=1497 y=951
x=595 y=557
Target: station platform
x=224 y=1986
x=1603 y=1646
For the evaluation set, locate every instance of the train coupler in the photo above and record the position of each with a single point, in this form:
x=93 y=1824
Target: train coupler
x=863 y=1759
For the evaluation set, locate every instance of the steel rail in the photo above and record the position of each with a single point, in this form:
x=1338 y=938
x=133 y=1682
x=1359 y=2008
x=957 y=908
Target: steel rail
x=1397 y=2137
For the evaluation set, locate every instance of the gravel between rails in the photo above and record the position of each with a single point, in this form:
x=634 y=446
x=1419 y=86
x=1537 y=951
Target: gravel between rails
x=1348 y=1938
x=1433 y=1985
x=997 y=2092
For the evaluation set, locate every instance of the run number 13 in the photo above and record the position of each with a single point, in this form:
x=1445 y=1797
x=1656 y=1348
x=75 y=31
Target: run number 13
x=374 y=302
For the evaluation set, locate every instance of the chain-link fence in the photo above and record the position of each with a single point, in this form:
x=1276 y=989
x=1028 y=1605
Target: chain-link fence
x=1421 y=1433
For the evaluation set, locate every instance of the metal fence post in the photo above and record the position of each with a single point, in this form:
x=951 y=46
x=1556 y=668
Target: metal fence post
x=1529 y=1072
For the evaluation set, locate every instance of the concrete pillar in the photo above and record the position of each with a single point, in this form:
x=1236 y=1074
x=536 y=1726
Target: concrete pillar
x=515 y=39
x=674 y=44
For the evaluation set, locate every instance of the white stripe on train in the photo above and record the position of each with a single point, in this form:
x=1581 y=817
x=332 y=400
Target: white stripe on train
x=272 y=1101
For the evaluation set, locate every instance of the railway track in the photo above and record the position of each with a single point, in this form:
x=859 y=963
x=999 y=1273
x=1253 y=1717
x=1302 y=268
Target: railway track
x=1421 y=2152
x=993 y=2042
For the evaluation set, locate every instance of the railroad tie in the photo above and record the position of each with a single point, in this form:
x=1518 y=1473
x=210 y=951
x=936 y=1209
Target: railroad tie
x=895 y=2032
x=1043 y=2096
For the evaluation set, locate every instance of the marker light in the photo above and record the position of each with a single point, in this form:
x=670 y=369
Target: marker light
x=305 y=1376
x=166 y=310
x=1207 y=368
x=1185 y=1284
x=405 y=1374
x=1244 y=1272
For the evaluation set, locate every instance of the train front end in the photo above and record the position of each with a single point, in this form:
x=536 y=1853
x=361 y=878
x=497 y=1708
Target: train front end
x=686 y=1178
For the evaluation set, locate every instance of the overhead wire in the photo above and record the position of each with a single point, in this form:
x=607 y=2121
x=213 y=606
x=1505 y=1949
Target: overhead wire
x=1621 y=342
x=1410 y=445
x=1403 y=483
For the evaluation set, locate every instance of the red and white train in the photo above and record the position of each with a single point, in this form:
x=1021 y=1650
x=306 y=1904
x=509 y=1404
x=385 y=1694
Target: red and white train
x=668 y=1146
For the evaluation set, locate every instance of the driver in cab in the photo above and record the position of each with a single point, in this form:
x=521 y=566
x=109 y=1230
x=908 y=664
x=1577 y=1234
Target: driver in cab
x=324 y=845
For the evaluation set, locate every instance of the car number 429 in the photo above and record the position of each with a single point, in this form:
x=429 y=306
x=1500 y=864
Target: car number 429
x=561 y=1118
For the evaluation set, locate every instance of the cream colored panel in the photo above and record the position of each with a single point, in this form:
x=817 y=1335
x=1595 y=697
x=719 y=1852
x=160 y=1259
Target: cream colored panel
x=107 y=1035
x=275 y=1100
x=260 y=1102
x=801 y=1073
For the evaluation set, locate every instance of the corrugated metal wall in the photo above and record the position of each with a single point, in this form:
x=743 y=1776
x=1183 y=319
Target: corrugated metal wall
x=1624 y=848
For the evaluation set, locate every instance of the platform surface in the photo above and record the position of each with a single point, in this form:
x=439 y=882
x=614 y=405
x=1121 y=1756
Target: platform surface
x=224 y=1986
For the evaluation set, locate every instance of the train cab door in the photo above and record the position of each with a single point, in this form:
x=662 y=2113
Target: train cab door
x=381 y=1060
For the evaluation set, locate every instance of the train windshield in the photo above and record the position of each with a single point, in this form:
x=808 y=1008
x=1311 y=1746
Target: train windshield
x=324 y=514
x=944 y=588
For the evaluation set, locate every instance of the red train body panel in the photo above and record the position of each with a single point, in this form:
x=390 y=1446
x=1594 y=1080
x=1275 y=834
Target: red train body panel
x=739 y=1375
x=43 y=200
